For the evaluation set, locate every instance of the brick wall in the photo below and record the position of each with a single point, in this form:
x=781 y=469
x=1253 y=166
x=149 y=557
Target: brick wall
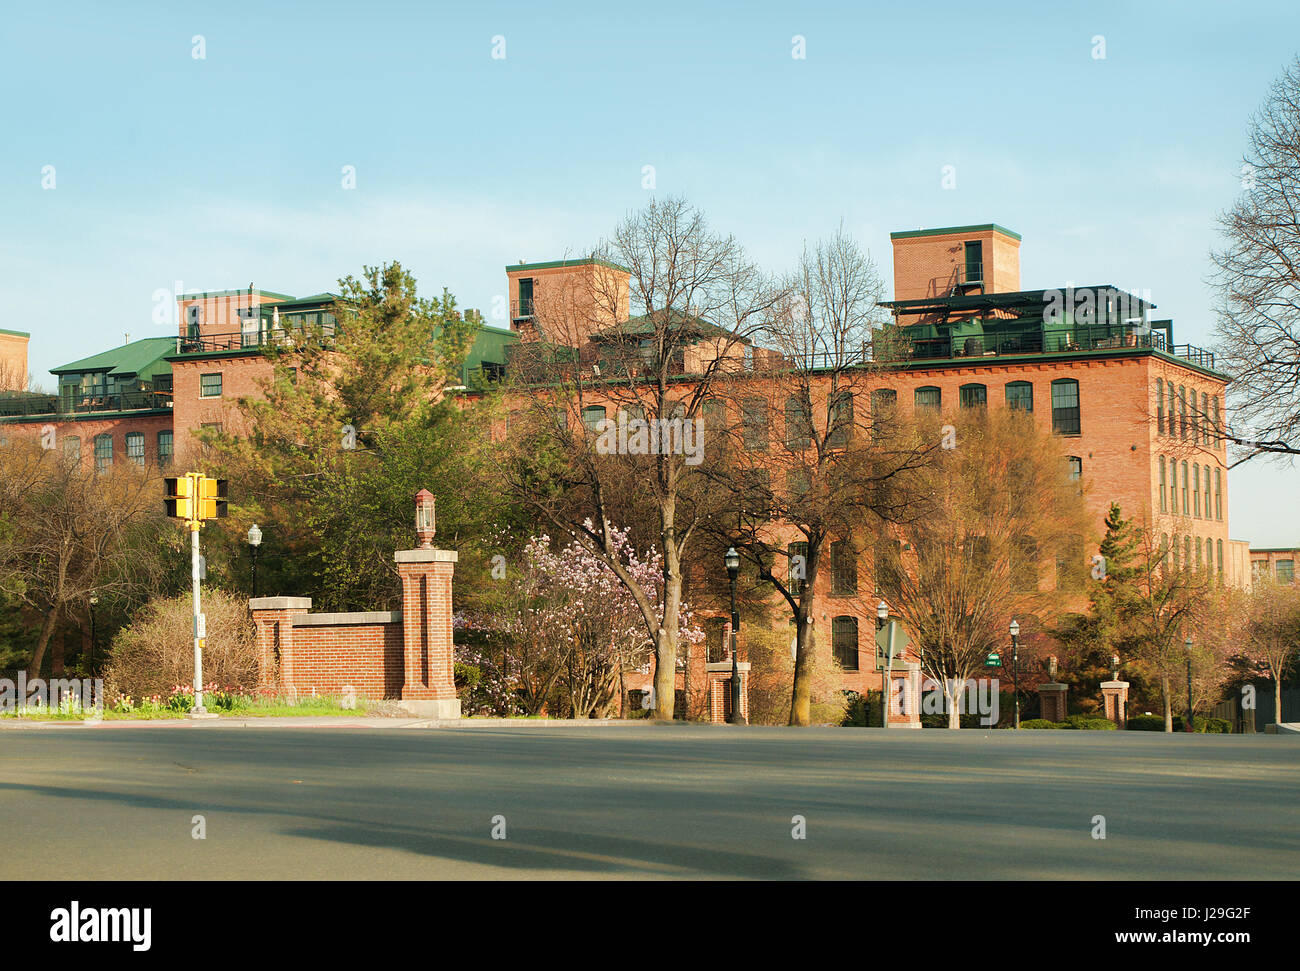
x=13 y=362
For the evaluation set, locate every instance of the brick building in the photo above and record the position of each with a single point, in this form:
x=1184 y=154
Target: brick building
x=1137 y=410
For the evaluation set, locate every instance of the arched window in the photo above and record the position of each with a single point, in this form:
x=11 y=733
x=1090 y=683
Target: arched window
x=1203 y=420
x=1196 y=489
x=103 y=452
x=1075 y=466
x=1219 y=543
x=844 y=641
x=1187 y=552
x=1160 y=405
x=1173 y=484
x=1218 y=495
x=1209 y=555
x=1206 y=470
x=797 y=568
x=1186 y=507
x=1020 y=396
x=973 y=396
x=1065 y=406
x=798 y=423
x=929 y=397
x=1170 y=429
x=135 y=447
x=1164 y=549
x=1182 y=412
x=1163 y=504
x=1174 y=548
x=1198 y=552
x=841 y=419
x=1214 y=416
x=592 y=416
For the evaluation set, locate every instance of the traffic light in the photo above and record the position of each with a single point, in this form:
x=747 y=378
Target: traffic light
x=180 y=497
x=212 y=500
x=195 y=497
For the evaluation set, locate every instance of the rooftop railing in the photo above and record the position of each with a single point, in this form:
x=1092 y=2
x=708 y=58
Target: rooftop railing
x=84 y=404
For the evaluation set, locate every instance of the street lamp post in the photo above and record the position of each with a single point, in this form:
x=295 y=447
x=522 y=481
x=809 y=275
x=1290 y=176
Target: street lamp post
x=732 y=561
x=1190 y=719
x=91 y=665
x=1015 y=668
x=254 y=541
x=882 y=616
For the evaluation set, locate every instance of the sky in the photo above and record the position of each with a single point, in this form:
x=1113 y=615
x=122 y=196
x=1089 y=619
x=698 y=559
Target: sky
x=207 y=147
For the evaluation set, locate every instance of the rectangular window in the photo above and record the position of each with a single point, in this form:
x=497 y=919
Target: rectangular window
x=592 y=416
x=974 y=253
x=844 y=642
x=844 y=569
x=1163 y=504
x=210 y=385
x=1207 y=491
x=1218 y=497
x=165 y=448
x=525 y=308
x=1196 y=490
x=841 y=419
x=1285 y=571
x=1065 y=407
x=1160 y=405
x=1173 y=485
x=1024 y=568
x=1075 y=465
x=72 y=449
x=1187 y=509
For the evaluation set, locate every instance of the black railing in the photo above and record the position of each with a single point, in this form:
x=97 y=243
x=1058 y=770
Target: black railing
x=1045 y=342
x=521 y=309
x=84 y=404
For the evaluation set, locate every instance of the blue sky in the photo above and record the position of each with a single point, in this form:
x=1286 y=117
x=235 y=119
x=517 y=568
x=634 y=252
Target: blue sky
x=227 y=169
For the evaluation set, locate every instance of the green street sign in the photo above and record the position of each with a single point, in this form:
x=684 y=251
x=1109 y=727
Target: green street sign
x=993 y=660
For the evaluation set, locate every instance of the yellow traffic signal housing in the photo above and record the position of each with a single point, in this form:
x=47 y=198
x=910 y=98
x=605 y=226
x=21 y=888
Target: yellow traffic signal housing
x=212 y=499
x=180 y=497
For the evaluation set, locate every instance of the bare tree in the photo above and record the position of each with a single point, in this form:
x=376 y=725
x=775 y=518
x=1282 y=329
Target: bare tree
x=1273 y=633
x=840 y=469
x=666 y=308
x=1001 y=504
x=69 y=532
x=1258 y=279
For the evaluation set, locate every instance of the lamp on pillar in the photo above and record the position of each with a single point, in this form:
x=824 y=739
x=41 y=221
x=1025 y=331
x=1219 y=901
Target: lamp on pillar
x=254 y=541
x=732 y=561
x=424 y=519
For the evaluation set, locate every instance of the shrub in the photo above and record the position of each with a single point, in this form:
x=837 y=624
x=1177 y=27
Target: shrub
x=1042 y=723
x=771 y=678
x=862 y=711
x=1089 y=723
x=155 y=653
x=1147 y=723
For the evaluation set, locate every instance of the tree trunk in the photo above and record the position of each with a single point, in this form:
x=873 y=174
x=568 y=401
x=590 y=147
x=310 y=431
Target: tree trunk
x=47 y=630
x=1169 y=710
x=801 y=693
x=1277 y=697
x=952 y=691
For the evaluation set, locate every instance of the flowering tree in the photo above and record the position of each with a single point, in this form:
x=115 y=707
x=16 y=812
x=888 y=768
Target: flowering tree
x=571 y=622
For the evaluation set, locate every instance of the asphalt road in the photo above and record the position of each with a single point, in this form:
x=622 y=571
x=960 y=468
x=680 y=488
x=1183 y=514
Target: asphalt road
x=398 y=802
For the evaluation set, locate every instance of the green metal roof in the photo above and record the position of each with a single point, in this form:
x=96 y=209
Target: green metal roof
x=589 y=261
x=489 y=347
x=15 y=333
x=953 y=230
x=142 y=357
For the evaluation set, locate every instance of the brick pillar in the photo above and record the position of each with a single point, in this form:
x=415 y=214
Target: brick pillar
x=272 y=617
x=1052 y=700
x=904 y=695
x=1114 y=695
x=719 y=674
x=428 y=682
